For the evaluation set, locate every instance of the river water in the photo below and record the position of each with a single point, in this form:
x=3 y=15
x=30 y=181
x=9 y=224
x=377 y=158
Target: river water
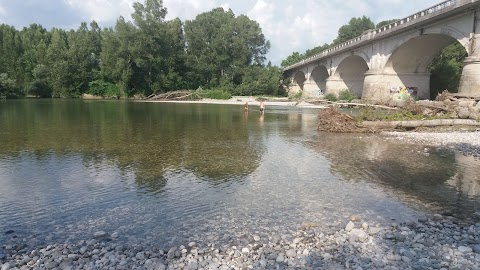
x=163 y=174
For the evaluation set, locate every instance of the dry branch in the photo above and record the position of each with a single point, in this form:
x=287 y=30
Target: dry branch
x=420 y=123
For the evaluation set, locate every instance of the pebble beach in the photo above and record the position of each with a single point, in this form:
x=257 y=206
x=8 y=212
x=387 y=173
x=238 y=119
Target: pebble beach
x=434 y=242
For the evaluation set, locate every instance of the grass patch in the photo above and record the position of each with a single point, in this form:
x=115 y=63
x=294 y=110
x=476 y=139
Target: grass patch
x=296 y=96
x=346 y=95
x=218 y=94
x=372 y=114
x=331 y=97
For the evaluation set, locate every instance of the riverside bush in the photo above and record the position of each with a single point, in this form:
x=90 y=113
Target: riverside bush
x=331 y=97
x=347 y=95
x=218 y=94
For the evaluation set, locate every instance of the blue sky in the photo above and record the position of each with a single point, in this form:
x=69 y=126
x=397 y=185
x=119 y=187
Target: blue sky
x=289 y=25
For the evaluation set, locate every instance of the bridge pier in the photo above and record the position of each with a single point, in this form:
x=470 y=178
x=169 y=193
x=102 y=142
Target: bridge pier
x=336 y=85
x=311 y=89
x=470 y=81
x=294 y=89
x=381 y=87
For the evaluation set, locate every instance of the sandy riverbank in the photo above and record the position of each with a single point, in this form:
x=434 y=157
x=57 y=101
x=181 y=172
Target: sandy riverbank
x=241 y=100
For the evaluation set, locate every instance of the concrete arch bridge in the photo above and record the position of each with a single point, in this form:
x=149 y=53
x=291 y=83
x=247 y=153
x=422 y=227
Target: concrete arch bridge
x=395 y=58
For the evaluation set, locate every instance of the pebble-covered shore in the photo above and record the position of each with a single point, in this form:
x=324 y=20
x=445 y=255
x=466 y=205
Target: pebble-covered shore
x=467 y=143
x=438 y=242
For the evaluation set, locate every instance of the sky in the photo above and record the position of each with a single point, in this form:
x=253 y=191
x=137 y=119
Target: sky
x=290 y=26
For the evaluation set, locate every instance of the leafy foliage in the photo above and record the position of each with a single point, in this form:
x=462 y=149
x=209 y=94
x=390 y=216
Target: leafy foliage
x=331 y=97
x=7 y=87
x=354 y=28
x=218 y=94
x=145 y=55
x=446 y=69
x=386 y=22
x=347 y=95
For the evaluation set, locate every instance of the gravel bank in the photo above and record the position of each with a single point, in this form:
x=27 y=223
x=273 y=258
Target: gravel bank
x=435 y=243
x=466 y=142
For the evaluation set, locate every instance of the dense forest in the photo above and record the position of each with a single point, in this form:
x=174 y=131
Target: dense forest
x=138 y=57
x=446 y=68
x=150 y=55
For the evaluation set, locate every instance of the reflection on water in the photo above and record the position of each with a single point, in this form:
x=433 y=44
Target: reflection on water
x=164 y=172
x=432 y=178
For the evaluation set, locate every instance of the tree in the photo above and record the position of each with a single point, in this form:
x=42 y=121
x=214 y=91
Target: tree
x=354 y=28
x=295 y=57
x=40 y=87
x=220 y=45
x=59 y=74
x=446 y=69
x=386 y=22
x=8 y=88
x=82 y=58
x=316 y=50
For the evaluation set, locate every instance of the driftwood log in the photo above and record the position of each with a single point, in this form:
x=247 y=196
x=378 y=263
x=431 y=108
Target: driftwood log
x=420 y=123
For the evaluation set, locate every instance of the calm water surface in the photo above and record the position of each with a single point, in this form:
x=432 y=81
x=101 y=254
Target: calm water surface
x=166 y=173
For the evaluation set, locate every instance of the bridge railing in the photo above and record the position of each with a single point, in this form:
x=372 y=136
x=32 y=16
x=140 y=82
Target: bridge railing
x=372 y=33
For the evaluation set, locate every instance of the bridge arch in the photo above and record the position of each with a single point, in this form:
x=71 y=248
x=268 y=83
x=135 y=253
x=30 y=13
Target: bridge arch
x=416 y=54
x=319 y=76
x=299 y=79
x=298 y=82
x=410 y=62
x=350 y=74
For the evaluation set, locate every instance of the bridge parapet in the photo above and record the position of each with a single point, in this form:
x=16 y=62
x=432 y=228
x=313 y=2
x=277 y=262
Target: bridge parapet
x=425 y=14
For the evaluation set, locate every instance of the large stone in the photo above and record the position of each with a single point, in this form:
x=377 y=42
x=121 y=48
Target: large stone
x=358 y=235
x=463 y=112
x=291 y=253
x=464 y=249
x=466 y=103
x=192 y=266
x=349 y=226
x=374 y=230
x=100 y=235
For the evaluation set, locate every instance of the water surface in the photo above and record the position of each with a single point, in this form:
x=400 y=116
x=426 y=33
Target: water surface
x=164 y=173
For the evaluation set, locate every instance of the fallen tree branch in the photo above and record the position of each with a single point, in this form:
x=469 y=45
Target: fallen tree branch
x=419 y=123
x=360 y=105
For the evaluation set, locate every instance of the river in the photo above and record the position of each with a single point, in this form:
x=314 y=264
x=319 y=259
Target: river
x=163 y=173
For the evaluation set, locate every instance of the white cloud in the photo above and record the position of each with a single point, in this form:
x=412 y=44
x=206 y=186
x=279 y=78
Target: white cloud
x=2 y=11
x=103 y=10
x=187 y=9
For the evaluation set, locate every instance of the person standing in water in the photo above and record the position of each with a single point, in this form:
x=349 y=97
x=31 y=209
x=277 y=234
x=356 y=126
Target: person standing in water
x=262 y=106
x=245 y=107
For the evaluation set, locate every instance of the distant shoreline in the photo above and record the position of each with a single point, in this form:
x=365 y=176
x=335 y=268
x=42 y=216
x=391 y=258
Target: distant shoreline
x=241 y=100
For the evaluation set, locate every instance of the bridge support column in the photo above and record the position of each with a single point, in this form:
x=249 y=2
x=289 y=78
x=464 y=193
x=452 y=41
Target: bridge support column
x=294 y=89
x=380 y=87
x=311 y=89
x=470 y=81
x=336 y=85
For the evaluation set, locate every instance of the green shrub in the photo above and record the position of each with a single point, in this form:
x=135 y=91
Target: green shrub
x=347 y=95
x=104 y=89
x=297 y=96
x=331 y=97
x=218 y=94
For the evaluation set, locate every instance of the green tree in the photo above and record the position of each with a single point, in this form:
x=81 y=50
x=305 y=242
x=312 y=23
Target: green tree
x=316 y=50
x=446 y=69
x=386 y=22
x=39 y=86
x=8 y=89
x=354 y=28
x=221 y=45
x=295 y=57
x=57 y=60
